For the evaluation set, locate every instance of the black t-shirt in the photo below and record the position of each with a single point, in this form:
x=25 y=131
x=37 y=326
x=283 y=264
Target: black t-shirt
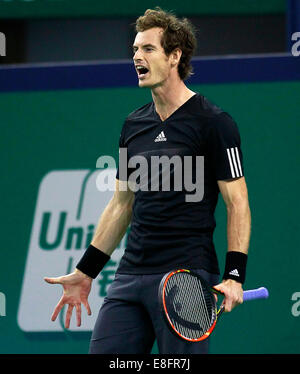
x=172 y=226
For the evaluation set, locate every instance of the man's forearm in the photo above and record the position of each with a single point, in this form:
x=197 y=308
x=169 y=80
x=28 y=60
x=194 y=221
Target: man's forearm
x=112 y=226
x=238 y=225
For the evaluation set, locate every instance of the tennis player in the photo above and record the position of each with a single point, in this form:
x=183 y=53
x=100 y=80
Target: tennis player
x=166 y=230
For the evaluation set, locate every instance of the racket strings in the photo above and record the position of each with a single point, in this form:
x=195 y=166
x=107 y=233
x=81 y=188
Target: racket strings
x=189 y=318
x=187 y=313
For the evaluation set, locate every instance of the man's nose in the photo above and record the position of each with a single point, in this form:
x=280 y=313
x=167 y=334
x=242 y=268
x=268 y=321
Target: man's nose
x=137 y=57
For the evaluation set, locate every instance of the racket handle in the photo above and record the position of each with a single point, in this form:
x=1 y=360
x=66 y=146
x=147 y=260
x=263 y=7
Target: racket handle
x=259 y=293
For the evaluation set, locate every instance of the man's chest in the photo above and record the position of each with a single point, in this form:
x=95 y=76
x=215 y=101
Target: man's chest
x=180 y=137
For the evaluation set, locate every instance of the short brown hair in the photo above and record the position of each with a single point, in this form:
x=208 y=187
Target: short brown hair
x=178 y=33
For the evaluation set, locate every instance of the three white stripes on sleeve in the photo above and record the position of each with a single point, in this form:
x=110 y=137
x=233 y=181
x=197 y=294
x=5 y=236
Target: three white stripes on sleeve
x=234 y=162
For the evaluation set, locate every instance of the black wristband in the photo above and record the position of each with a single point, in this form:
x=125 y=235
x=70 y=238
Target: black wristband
x=235 y=266
x=92 y=262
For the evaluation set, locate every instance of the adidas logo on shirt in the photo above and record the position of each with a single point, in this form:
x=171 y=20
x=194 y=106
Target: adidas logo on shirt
x=235 y=273
x=161 y=137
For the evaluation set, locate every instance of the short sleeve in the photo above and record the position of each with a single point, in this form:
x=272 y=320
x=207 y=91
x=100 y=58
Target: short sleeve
x=224 y=147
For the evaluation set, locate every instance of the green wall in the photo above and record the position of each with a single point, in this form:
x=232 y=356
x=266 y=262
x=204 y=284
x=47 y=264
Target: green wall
x=45 y=131
x=104 y=8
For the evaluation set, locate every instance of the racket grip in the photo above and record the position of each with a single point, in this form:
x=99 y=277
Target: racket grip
x=259 y=293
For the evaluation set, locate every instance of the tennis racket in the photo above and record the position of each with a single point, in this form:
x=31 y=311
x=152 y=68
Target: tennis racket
x=189 y=306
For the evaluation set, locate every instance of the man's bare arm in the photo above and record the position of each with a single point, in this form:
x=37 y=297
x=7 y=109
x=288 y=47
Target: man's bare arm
x=114 y=220
x=235 y=196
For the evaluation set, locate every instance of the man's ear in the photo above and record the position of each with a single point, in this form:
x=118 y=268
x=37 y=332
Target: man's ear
x=175 y=56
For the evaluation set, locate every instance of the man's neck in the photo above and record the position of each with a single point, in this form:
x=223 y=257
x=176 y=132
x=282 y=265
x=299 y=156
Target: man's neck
x=169 y=97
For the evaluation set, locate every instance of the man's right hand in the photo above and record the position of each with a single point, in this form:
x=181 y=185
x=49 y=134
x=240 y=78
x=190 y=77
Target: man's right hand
x=76 y=289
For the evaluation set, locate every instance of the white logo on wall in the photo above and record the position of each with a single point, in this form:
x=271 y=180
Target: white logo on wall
x=68 y=209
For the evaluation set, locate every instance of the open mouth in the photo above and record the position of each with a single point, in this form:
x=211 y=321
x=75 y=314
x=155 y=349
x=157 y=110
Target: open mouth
x=141 y=70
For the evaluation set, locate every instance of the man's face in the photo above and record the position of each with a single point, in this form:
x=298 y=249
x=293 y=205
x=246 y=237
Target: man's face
x=151 y=63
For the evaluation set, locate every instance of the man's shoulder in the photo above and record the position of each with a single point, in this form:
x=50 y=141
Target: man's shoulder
x=204 y=107
x=211 y=115
x=141 y=112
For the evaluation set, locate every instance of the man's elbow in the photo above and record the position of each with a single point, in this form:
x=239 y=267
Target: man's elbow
x=238 y=201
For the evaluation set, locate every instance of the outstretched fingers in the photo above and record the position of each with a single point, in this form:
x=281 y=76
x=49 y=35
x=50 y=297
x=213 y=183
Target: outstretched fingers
x=69 y=315
x=78 y=314
x=87 y=307
x=56 y=280
x=75 y=292
x=57 y=309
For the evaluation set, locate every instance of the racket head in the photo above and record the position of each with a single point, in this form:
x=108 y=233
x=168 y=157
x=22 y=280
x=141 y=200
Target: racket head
x=188 y=305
